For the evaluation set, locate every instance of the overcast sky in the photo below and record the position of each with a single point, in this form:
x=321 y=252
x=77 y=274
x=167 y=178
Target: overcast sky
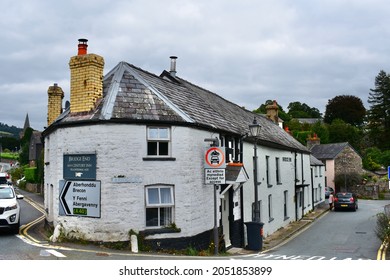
x=247 y=51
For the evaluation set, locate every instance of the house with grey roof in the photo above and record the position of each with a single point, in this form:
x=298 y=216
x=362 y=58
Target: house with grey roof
x=317 y=180
x=129 y=155
x=339 y=159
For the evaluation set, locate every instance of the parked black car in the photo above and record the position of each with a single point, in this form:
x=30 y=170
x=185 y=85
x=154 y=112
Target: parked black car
x=328 y=191
x=345 y=200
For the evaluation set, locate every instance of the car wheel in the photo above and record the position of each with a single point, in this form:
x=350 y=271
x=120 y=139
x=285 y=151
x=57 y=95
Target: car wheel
x=16 y=227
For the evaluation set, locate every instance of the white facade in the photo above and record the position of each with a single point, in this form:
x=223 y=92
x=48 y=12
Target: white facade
x=318 y=175
x=120 y=151
x=282 y=200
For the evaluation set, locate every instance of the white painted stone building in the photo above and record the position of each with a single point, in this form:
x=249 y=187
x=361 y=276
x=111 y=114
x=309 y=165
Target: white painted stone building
x=144 y=138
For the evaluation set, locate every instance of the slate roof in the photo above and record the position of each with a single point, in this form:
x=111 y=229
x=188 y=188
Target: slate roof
x=131 y=94
x=328 y=151
x=315 y=161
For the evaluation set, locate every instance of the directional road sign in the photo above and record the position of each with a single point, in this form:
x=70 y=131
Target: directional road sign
x=80 y=198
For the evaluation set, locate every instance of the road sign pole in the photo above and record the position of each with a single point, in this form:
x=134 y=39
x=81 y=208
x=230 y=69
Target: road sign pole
x=216 y=245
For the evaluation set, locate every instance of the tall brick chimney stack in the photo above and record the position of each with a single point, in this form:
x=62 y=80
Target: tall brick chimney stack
x=55 y=96
x=86 y=79
x=312 y=140
x=272 y=112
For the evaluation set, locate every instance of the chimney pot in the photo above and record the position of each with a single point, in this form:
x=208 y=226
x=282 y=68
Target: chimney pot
x=173 y=65
x=82 y=47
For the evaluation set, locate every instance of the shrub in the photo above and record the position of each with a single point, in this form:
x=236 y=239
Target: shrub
x=383 y=227
x=31 y=174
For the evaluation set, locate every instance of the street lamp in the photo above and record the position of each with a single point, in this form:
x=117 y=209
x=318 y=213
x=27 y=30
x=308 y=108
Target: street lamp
x=254 y=129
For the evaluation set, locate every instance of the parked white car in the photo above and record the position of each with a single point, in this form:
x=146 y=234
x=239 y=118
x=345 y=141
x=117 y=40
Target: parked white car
x=9 y=208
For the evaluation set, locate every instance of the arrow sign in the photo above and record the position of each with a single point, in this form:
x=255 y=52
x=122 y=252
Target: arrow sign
x=62 y=197
x=80 y=198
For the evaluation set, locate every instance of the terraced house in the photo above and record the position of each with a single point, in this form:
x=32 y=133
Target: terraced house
x=128 y=155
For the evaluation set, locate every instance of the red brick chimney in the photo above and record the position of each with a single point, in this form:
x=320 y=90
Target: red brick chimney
x=312 y=141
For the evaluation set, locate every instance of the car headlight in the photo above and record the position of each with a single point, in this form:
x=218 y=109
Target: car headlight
x=12 y=218
x=11 y=207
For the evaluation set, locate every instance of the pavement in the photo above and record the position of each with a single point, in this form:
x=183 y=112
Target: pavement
x=36 y=232
x=284 y=234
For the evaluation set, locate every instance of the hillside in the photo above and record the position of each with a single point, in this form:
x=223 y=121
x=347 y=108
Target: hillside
x=9 y=131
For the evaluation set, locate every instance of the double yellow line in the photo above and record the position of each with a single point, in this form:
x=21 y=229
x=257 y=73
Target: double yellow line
x=382 y=251
x=25 y=228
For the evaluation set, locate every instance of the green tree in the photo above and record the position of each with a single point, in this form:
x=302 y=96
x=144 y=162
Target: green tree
x=25 y=143
x=339 y=131
x=322 y=131
x=372 y=158
x=10 y=143
x=348 y=108
x=302 y=110
x=379 y=112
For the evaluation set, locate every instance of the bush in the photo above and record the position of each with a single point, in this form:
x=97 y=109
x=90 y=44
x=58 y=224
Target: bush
x=31 y=174
x=383 y=227
x=8 y=155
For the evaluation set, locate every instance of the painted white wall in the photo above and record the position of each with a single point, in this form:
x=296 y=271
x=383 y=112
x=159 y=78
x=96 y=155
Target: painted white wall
x=318 y=184
x=120 y=149
x=287 y=174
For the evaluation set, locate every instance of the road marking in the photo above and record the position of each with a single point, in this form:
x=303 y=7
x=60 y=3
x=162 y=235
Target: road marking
x=299 y=257
x=46 y=253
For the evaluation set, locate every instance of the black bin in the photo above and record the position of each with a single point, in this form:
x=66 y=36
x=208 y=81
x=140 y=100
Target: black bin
x=254 y=232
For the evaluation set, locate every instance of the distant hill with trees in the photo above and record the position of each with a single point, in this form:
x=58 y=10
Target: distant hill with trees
x=9 y=137
x=9 y=131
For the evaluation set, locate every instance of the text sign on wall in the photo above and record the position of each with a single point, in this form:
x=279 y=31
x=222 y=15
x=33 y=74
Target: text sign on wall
x=214 y=176
x=80 y=198
x=80 y=167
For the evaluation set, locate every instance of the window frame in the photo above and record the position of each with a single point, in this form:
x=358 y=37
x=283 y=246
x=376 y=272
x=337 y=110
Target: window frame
x=268 y=171
x=270 y=209
x=160 y=205
x=285 y=204
x=277 y=172
x=158 y=140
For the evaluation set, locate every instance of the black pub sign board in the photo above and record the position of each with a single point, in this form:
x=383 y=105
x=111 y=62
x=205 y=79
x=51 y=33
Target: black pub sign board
x=80 y=166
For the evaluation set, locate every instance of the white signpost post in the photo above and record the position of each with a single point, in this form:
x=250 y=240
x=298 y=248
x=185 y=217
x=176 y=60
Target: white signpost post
x=214 y=169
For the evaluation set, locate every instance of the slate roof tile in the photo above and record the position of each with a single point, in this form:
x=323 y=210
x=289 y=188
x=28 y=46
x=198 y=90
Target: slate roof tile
x=328 y=151
x=130 y=93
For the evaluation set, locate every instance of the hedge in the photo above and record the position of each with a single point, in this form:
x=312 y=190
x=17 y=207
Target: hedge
x=31 y=174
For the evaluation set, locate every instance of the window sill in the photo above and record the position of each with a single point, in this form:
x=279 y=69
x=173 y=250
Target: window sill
x=160 y=231
x=269 y=186
x=286 y=218
x=270 y=220
x=159 y=159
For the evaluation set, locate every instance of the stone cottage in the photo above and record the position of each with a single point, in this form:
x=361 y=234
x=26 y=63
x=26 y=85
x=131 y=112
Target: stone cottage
x=339 y=159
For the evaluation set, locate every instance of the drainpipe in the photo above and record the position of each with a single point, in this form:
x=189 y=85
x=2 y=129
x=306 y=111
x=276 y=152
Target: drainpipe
x=312 y=188
x=303 y=188
x=295 y=184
